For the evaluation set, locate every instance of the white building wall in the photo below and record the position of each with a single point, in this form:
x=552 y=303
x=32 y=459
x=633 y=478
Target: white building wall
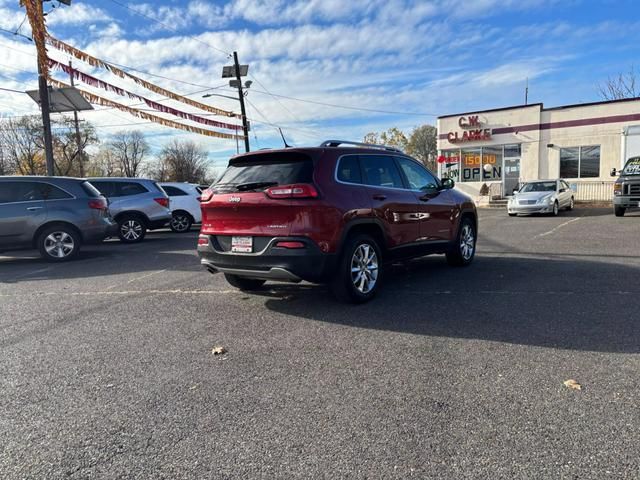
x=538 y=160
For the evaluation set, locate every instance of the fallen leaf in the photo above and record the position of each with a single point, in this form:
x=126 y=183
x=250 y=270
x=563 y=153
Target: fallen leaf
x=219 y=351
x=572 y=384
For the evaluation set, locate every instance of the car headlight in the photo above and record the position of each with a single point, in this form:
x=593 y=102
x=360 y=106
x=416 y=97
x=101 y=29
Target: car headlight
x=545 y=199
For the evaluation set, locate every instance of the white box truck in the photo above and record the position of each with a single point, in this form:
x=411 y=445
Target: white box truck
x=626 y=190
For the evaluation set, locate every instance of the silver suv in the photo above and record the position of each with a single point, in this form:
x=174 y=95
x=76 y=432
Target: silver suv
x=137 y=205
x=53 y=214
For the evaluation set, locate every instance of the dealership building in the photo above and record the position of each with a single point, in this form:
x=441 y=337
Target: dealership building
x=503 y=147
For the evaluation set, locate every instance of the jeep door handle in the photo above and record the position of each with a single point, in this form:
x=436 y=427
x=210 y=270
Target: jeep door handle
x=379 y=196
x=31 y=209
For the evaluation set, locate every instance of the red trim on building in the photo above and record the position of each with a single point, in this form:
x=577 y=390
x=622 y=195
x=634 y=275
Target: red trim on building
x=565 y=124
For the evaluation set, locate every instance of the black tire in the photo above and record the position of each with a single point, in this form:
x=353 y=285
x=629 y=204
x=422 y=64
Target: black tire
x=131 y=229
x=556 y=209
x=245 y=284
x=619 y=211
x=359 y=252
x=59 y=243
x=513 y=214
x=464 y=249
x=571 y=205
x=180 y=222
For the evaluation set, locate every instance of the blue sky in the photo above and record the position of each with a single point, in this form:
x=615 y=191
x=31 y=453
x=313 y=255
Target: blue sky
x=421 y=58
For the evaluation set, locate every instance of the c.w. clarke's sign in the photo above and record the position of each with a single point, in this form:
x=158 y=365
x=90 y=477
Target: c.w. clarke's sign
x=473 y=131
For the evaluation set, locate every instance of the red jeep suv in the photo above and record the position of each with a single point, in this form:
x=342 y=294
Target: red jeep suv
x=332 y=214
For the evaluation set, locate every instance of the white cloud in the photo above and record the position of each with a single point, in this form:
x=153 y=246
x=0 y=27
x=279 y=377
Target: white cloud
x=77 y=14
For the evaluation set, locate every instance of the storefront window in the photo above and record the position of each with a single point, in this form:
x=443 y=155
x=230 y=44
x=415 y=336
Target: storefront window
x=451 y=166
x=471 y=165
x=512 y=151
x=491 y=156
x=580 y=162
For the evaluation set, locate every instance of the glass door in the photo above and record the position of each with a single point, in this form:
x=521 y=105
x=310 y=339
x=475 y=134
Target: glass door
x=511 y=175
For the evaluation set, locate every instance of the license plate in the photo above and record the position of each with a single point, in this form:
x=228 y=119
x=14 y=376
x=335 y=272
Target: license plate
x=242 y=244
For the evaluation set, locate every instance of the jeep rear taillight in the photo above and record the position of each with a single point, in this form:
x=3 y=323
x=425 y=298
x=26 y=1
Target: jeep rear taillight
x=162 y=201
x=206 y=195
x=98 y=204
x=301 y=190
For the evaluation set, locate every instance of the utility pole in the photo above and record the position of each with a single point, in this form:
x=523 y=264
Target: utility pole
x=526 y=92
x=46 y=120
x=78 y=137
x=245 y=125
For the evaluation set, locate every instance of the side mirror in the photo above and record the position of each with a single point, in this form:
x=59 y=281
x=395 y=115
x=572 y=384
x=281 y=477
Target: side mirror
x=614 y=172
x=515 y=190
x=448 y=183
x=562 y=190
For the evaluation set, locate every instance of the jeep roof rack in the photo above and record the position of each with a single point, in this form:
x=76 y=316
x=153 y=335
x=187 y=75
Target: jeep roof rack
x=337 y=143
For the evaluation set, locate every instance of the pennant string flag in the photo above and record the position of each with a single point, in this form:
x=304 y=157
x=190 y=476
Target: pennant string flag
x=96 y=62
x=39 y=32
x=95 y=99
x=96 y=82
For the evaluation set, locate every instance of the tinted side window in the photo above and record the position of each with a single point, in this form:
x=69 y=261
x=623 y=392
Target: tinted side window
x=174 y=191
x=52 y=192
x=105 y=188
x=130 y=188
x=13 y=192
x=349 y=169
x=419 y=178
x=381 y=171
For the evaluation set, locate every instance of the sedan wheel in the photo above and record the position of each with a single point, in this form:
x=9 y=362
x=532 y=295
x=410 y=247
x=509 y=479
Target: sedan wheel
x=467 y=242
x=556 y=209
x=571 y=204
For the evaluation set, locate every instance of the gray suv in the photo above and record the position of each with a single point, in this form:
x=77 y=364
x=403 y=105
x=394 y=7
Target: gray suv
x=137 y=205
x=53 y=214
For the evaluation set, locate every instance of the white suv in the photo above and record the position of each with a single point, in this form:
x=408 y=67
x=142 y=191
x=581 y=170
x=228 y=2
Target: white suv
x=185 y=205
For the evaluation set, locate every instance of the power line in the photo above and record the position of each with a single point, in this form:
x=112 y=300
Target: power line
x=168 y=27
x=11 y=90
x=346 y=107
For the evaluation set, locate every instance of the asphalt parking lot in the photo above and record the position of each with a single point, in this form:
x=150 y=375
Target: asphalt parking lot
x=106 y=368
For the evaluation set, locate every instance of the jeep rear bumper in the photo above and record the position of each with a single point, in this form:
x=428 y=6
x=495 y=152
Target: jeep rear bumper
x=271 y=263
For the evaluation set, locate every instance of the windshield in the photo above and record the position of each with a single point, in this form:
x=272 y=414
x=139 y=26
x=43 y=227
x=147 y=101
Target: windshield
x=263 y=171
x=632 y=167
x=539 y=187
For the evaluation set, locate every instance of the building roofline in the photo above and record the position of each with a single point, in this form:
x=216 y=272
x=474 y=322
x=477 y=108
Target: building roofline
x=541 y=105
x=513 y=107
x=590 y=104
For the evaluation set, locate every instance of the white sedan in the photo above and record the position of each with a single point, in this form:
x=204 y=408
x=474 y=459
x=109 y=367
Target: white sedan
x=184 y=203
x=541 y=196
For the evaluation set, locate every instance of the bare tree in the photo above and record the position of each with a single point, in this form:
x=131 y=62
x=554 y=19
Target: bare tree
x=130 y=150
x=68 y=154
x=625 y=85
x=393 y=137
x=22 y=146
x=104 y=164
x=181 y=161
x=423 y=145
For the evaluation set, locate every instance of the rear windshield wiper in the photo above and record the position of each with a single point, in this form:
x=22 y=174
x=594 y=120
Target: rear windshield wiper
x=243 y=187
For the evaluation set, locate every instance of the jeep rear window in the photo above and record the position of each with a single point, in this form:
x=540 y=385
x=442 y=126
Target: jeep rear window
x=282 y=168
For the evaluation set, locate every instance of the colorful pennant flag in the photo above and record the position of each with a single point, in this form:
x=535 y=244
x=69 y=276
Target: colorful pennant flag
x=96 y=82
x=95 y=99
x=96 y=62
